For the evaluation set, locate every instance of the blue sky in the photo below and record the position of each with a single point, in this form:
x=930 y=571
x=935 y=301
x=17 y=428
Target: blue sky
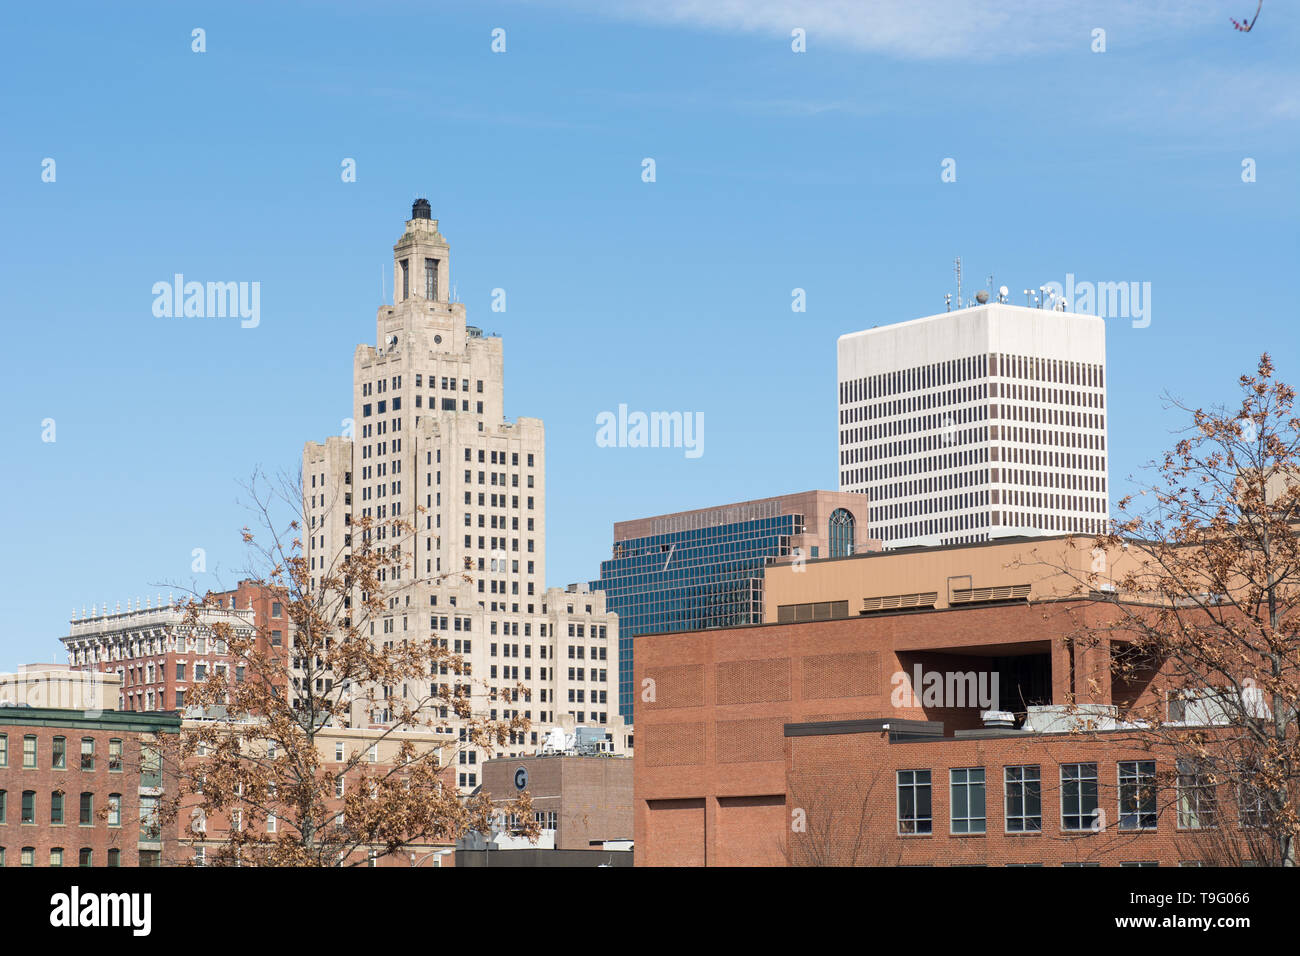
x=774 y=170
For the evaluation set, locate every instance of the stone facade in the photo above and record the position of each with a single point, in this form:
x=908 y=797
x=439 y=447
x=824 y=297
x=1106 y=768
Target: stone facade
x=431 y=445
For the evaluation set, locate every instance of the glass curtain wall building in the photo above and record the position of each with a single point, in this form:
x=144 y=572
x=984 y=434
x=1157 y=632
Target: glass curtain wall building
x=701 y=569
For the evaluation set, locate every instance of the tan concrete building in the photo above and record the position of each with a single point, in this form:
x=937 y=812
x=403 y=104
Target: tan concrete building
x=1022 y=568
x=430 y=444
x=55 y=686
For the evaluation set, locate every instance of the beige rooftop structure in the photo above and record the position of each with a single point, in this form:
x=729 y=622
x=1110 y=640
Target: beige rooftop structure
x=1026 y=568
x=57 y=686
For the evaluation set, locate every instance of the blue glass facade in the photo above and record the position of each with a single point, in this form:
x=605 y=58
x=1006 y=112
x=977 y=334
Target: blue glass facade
x=689 y=580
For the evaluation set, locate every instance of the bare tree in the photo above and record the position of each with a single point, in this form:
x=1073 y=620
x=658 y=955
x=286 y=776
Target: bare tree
x=831 y=821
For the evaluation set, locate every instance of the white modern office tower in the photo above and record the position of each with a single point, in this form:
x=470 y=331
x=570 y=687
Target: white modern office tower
x=431 y=445
x=976 y=424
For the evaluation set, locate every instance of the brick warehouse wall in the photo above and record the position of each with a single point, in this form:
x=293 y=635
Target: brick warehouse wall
x=842 y=792
x=711 y=717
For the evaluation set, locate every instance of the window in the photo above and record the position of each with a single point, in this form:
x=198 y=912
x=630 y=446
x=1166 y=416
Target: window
x=56 y=856
x=1196 y=796
x=338 y=750
x=149 y=858
x=1023 y=799
x=374 y=753
x=4 y=750
x=114 y=809
x=4 y=800
x=1137 y=795
x=87 y=810
x=276 y=610
x=914 y=801
x=29 y=807
x=29 y=856
x=56 y=808
x=1252 y=809
x=114 y=857
x=29 y=752
x=967 y=800
x=149 y=827
x=85 y=857
x=115 y=748
x=841 y=533
x=87 y=753
x=1078 y=795
x=59 y=756
x=430 y=280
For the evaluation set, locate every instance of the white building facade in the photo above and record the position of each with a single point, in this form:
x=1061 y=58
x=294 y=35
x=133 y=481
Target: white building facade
x=431 y=446
x=976 y=424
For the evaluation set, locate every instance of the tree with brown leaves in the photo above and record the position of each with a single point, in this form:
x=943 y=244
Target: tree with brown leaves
x=1206 y=619
x=337 y=748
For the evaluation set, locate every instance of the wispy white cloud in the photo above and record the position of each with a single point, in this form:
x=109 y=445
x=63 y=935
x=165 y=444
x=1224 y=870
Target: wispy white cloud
x=924 y=29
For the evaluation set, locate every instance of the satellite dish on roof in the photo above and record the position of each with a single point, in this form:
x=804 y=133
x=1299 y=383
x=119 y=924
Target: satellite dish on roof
x=982 y=296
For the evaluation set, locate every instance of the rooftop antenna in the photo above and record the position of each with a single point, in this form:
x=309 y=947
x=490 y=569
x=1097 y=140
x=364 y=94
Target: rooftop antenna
x=947 y=302
x=957 y=264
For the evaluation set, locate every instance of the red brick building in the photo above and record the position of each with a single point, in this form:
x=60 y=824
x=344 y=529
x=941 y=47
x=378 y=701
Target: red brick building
x=821 y=741
x=81 y=788
x=160 y=652
x=899 y=793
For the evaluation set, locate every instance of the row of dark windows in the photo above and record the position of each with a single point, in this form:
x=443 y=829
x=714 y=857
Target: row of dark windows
x=1080 y=807
x=59 y=753
x=937 y=374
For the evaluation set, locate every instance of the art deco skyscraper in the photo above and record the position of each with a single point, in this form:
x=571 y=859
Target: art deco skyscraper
x=430 y=433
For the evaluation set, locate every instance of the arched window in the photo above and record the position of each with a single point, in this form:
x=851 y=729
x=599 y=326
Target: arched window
x=841 y=533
